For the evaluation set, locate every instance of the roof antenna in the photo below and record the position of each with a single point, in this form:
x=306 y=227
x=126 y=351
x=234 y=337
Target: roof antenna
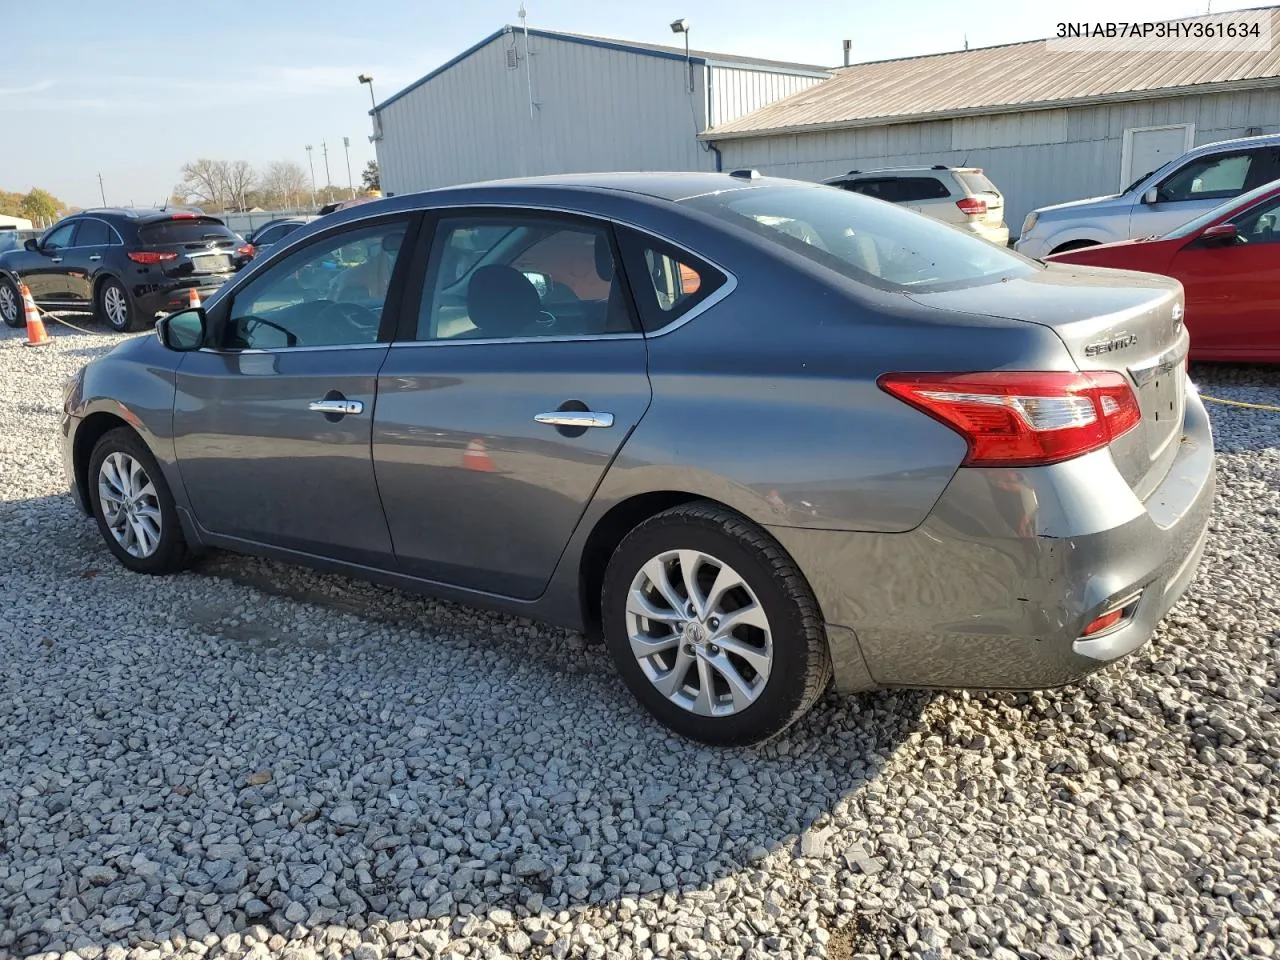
x=966 y=42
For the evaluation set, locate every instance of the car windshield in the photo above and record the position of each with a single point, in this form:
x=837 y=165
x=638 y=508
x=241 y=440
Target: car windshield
x=867 y=240
x=1242 y=202
x=1135 y=183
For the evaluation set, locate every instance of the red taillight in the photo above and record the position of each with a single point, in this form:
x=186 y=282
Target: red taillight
x=972 y=206
x=1023 y=419
x=184 y=216
x=247 y=250
x=151 y=256
x=1104 y=622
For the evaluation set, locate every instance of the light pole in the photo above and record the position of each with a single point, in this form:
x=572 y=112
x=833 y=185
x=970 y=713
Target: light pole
x=373 y=105
x=682 y=26
x=346 y=148
x=312 y=165
x=328 y=180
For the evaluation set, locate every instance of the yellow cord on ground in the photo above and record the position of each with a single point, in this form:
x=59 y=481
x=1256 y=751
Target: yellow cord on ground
x=1241 y=403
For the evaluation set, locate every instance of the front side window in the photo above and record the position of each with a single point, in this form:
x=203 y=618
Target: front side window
x=58 y=238
x=1261 y=224
x=886 y=190
x=330 y=293
x=1208 y=178
x=880 y=245
x=518 y=277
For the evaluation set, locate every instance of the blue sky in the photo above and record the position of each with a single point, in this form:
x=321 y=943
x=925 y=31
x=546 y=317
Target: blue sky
x=133 y=90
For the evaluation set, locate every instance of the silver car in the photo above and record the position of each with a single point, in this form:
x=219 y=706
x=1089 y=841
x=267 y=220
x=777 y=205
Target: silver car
x=754 y=433
x=1158 y=201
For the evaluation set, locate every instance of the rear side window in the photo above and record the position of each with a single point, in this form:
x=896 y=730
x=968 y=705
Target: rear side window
x=883 y=246
x=184 y=230
x=667 y=282
x=886 y=190
x=975 y=181
x=93 y=233
x=911 y=189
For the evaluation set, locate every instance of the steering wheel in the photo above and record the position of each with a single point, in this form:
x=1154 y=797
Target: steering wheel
x=249 y=324
x=547 y=319
x=361 y=321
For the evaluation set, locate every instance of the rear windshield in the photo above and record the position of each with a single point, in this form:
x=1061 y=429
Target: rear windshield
x=184 y=231
x=976 y=181
x=875 y=243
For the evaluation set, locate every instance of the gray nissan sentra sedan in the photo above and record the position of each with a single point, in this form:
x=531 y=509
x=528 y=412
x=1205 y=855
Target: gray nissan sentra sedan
x=757 y=434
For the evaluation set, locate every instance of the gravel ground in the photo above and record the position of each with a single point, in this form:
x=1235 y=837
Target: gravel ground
x=254 y=760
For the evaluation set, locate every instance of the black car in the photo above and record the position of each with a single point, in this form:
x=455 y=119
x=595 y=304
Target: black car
x=273 y=231
x=125 y=266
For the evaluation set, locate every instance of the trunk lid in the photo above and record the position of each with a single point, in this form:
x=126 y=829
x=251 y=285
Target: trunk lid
x=204 y=245
x=1108 y=320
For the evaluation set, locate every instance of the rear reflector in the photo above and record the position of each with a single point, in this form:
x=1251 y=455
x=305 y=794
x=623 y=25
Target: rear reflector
x=246 y=251
x=972 y=206
x=151 y=256
x=1023 y=419
x=1104 y=622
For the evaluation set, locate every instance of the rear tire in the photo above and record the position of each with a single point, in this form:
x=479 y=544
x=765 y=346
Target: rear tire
x=116 y=308
x=11 y=311
x=727 y=688
x=133 y=505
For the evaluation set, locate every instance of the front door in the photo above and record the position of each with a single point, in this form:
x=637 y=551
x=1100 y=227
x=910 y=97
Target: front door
x=1200 y=185
x=46 y=272
x=1233 y=290
x=273 y=428
x=504 y=405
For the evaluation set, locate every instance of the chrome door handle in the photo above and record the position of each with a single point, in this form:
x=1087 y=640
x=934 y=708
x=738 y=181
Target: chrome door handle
x=96 y=257
x=55 y=259
x=344 y=407
x=576 y=418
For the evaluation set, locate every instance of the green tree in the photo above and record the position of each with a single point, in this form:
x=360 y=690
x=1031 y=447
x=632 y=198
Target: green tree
x=40 y=205
x=371 y=178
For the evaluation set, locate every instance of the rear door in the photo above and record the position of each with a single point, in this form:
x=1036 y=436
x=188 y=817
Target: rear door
x=506 y=398
x=1233 y=290
x=273 y=428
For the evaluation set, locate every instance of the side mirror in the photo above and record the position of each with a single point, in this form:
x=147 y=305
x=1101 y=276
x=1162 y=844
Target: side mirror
x=1220 y=235
x=541 y=281
x=183 y=331
x=1151 y=196
x=32 y=244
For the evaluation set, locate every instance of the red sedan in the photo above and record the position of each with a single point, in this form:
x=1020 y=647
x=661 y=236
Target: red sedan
x=1229 y=263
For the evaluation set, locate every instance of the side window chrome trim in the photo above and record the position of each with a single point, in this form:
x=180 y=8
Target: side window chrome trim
x=480 y=341
x=379 y=345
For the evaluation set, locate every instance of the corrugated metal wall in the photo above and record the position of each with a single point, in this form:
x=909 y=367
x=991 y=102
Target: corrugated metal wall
x=735 y=92
x=596 y=109
x=1036 y=158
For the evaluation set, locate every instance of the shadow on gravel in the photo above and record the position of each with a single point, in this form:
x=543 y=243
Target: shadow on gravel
x=1241 y=429
x=257 y=744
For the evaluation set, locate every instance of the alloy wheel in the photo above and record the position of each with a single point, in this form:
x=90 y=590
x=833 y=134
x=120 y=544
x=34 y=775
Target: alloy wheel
x=130 y=505
x=699 y=633
x=8 y=305
x=115 y=306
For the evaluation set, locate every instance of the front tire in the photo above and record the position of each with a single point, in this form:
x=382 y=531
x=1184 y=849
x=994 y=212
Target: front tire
x=11 y=311
x=116 y=308
x=133 y=506
x=712 y=626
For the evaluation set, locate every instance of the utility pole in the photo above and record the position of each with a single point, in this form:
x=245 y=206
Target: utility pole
x=351 y=184
x=312 y=165
x=328 y=180
x=101 y=191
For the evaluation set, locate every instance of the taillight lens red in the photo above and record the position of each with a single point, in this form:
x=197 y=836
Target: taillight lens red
x=151 y=256
x=972 y=206
x=247 y=250
x=184 y=216
x=1022 y=418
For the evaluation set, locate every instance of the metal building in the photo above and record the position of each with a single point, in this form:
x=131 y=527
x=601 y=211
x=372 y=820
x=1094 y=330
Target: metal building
x=522 y=103
x=1047 y=125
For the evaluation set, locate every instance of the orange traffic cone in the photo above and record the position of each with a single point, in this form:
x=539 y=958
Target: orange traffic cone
x=193 y=299
x=476 y=457
x=37 y=335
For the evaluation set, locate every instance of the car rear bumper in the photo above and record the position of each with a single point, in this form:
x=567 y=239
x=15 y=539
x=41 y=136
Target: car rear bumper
x=995 y=588
x=997 y=234
x=156 y=300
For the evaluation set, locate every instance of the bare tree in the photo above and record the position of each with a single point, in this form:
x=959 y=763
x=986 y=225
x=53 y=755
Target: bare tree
x=284 y=183
x=205 y=181
x=238 y=177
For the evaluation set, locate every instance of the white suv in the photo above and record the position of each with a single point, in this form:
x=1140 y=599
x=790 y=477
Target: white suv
x=1158 y=201
x=960 y=196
